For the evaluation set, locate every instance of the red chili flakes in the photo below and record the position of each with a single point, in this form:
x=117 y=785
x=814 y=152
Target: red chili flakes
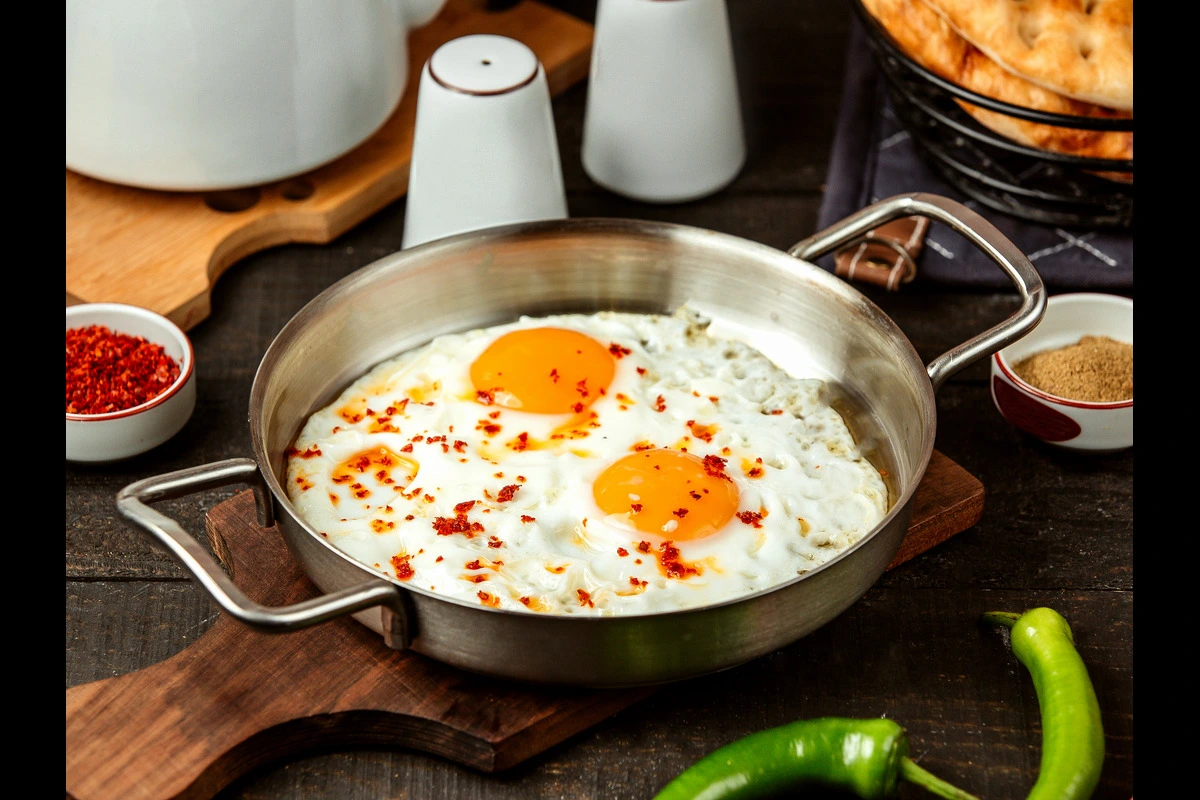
x=585 y=599
x=439 y=558
x=680 y=512
x=713 y=398
x=409 y=517
x=641 y=370
x=674 y=567
x=474 y=565
x=520 y=479
x=635 y=507
x=618 y=351
x=464 y=506
x=430 y=498
x=622 y=552
x=640 y=446
x=382 y=525
x=444 y=526
x=488 y=599
x=408 y=448
x=460 y=446
x=752 y=518
x=527 y=519
x=776 y=412
x=643 y=547
x=715 y=466
x=487 y=398
x=507 y=493
x=636 y=583
x=554 y=375
x=494 y=415
x=524 y=600
x=660 y=404
x=581 y=387
x=404 y=570
x=494 y=542
x=490 y=428
x=311 y=452
x=578 y=408
x=704 y=432
x=477 y=578
x=360 y=491
x=109 y=371
x=333 y=498
x=755 y=470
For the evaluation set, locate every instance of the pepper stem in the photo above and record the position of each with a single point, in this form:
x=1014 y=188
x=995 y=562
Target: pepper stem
x=930 y=782
x=1005 y=618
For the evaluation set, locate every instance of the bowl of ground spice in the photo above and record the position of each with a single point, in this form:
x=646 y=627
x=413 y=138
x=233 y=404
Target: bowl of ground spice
x=131 y=381
x=1069 y=381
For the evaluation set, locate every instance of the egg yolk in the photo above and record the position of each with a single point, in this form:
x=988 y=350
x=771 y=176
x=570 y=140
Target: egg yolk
x=668 y=493
x=543 y=370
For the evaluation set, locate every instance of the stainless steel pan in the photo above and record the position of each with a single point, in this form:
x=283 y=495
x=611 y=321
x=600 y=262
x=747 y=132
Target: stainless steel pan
x=798 y=313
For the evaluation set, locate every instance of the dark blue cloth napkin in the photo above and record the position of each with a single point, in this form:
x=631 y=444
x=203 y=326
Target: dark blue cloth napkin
x=873 y=157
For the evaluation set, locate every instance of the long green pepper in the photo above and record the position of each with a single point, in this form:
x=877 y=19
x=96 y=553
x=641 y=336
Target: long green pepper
x=1072 y=734
x=868 y=757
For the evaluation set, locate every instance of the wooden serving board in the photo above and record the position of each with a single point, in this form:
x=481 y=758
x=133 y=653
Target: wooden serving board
x=236 y=699
x=165 y=250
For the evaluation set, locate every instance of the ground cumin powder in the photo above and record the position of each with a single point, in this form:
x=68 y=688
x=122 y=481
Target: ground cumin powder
x=1095 y=369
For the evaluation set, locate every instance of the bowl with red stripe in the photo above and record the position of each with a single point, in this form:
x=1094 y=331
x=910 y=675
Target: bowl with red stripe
x=130 y=381
x=1087 y=425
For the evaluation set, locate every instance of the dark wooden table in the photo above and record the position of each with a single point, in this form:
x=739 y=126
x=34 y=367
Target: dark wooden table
x=1057 y=528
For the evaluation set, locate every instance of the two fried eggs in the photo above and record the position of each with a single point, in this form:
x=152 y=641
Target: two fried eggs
x=601 y=464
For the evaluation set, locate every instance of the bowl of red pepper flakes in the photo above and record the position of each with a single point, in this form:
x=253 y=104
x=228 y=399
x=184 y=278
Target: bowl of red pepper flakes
x=130 y=381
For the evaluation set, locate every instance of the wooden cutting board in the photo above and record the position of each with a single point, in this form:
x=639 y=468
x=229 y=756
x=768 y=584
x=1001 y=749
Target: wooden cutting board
x=236 y=699
x=165 y=250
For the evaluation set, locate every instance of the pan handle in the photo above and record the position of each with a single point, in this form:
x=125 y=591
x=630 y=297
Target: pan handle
x=132 y=505
x=970 y=226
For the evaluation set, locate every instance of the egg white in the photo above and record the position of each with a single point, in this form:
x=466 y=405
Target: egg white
x=545 y=546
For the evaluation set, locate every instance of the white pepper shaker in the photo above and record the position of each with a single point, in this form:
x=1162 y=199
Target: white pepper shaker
x=663 y=120
x=485 y=150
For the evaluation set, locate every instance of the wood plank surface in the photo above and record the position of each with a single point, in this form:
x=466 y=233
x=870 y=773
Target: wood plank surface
x=1057 y=529
x=249 y=698
x=165 y=250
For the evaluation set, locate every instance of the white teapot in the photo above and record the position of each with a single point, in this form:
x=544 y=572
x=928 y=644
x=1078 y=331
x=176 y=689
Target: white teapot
x=202 y=95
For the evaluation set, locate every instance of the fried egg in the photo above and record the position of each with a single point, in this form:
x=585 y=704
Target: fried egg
x=601 y=464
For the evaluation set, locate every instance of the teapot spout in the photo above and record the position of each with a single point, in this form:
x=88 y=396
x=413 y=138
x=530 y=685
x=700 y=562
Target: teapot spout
x=420 y=12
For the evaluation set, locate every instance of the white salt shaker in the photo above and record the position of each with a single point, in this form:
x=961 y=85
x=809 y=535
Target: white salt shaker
x=663 y=119
x=485 y=151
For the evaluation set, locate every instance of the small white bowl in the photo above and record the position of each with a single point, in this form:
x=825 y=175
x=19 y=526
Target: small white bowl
x=121 y=434
x=1072 y=424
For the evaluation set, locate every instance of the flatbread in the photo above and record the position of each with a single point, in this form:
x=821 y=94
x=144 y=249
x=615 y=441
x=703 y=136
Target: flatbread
x=1082 y=49
x=929 y=40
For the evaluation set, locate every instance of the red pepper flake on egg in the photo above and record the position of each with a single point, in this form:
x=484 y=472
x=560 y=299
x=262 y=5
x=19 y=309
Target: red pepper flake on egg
x=622 y=552
x=507 y=493
x=527 y=519
x=672 y=564
x=618 y=351
x=520 y=443
x=473 y=565
x=715 y=466
x=660 y=404
x=311 y=452
x=444 y=526
x=751 y=518
x=643 y=547
x=635 y=508
x=484 y=397
x=404 y=570
x=585 y=599
x=494 y=542
x=488 y=599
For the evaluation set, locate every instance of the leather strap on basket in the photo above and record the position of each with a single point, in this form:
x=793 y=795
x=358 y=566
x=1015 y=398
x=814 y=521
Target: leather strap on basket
x=886 y=255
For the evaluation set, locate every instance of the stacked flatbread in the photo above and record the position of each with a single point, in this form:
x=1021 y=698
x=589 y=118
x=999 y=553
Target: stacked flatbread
x=1061 y=56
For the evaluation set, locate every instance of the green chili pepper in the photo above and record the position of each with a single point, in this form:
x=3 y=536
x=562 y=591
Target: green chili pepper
x=1072 y=736
x=868 y=757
